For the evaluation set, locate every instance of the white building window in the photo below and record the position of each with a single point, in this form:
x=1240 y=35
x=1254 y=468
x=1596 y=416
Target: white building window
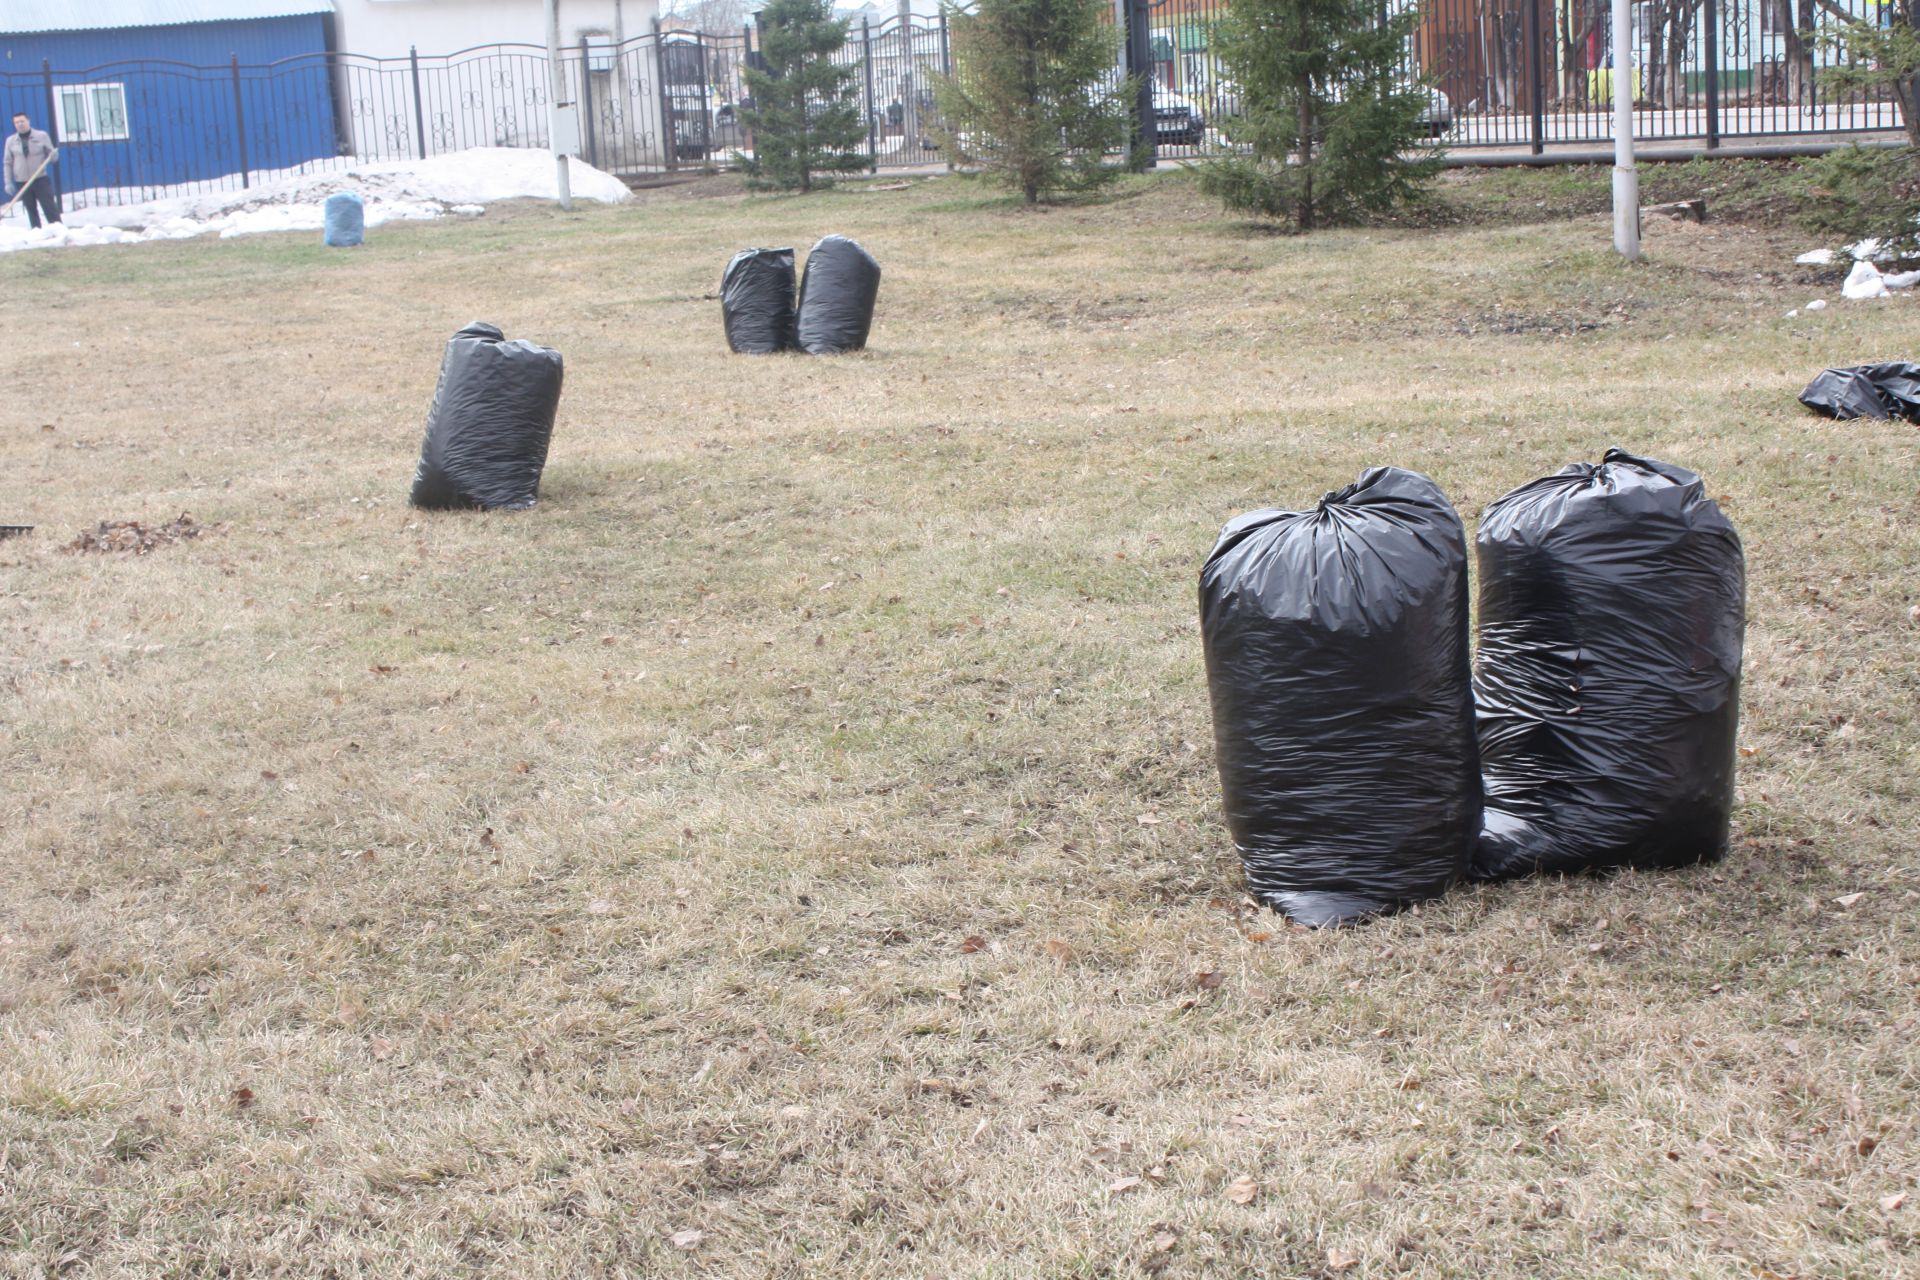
x=90 y=112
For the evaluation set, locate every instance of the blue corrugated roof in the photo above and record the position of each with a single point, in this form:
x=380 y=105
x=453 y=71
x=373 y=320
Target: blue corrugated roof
x=18 y=16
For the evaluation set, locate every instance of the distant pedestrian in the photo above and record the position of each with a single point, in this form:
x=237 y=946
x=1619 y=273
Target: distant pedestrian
x=29 y=149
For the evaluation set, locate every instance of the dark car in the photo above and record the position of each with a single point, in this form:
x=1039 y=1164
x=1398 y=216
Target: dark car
x=1177 y=120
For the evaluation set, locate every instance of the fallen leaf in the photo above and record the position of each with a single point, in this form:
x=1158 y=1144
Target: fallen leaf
x=1122 y=1185
x=1209 y=980
x=1866 y=1144
x=1243 y=1190
x=1410 y=1083
x=242 y=1097
x=1893 y=1203
x=1148 y=819
x=688 y=1239
x=1848 y=899
x=381 y=669
x=1341 y=1260
x=1262 y=936
x=1164 y=1242
x=380 y=1048
x=1060 y=951
x=486 y=838
x=971 y=944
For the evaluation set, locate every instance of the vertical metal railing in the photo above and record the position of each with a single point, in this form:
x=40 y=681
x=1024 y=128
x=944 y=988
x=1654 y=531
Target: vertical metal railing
x=1523 y=74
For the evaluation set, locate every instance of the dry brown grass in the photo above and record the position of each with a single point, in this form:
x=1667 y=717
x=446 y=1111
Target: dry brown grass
x=399 y=894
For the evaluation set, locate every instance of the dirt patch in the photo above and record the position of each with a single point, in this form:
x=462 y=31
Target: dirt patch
x=705 y=186
x=1545 y=324
x=132 y=536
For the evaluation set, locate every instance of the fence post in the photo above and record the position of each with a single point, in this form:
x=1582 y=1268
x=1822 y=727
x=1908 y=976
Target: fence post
x=240 y=121
x=866 y=58
x=419 y=112
x=706 y=100
x=1713 y=74
x=53 y=115
x=1145 y=149
x=1536 y=79
x=586 y=106
x=669 y=135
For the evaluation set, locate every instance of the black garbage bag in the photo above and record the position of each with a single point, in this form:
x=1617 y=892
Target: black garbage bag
x=491 y=422
x=837 y=294
x=1336 y=644
x=1612 y=612
x=756 y=301
x=1866 y=391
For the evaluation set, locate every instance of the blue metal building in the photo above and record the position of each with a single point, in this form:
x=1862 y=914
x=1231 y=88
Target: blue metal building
x=142 y=95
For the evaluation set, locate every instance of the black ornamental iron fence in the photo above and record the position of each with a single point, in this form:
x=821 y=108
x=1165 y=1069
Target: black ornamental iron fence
x=1514 y=74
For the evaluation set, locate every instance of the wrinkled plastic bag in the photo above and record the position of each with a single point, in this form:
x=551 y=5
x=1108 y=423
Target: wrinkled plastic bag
x=1880 y=391
x=345 y=217
x=1337 y=662
x=1868 y=281
x=491 y=423
x=837 y=296
x=1612 y=615
x=756 y=301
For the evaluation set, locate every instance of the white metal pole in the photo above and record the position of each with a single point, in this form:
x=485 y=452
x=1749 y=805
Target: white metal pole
x=1626 y=182
x=558 y=103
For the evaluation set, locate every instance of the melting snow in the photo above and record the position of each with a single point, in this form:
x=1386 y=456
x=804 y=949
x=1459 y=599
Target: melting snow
x=462 y=183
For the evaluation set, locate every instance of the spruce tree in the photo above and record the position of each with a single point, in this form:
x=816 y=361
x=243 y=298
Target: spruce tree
x=1031 y=99
x=1328 y=119
x=805 y=120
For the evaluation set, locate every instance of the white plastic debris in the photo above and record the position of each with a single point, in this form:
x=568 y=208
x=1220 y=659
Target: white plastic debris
x=1864 y=281
x=1815 y=258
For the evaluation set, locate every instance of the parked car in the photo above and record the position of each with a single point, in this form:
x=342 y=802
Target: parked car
x=1178 y=121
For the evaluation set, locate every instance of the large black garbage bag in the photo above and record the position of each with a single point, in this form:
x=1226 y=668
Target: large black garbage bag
x=756 y=301
x=837 y=293
x=491 y=422
x=1612 y=612
x=1336 y=643
x=1866 y=391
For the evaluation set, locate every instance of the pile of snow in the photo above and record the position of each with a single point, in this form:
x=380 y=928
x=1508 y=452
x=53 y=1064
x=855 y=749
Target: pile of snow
x=461 y=183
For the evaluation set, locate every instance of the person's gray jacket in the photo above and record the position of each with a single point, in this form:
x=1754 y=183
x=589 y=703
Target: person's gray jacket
x=23 y=155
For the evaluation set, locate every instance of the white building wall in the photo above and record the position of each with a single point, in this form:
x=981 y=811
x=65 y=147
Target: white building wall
x=388 y=28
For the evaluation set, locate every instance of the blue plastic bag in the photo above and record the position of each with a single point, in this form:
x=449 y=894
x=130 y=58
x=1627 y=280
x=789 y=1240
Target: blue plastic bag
x=346 y=220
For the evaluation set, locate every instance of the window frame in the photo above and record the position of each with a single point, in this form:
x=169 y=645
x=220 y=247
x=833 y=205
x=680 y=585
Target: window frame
x=87 y=128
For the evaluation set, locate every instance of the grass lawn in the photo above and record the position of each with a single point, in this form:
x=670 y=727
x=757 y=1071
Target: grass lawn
x=794 y=848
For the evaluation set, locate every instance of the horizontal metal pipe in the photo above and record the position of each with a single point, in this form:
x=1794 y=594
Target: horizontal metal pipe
x=1466 y=157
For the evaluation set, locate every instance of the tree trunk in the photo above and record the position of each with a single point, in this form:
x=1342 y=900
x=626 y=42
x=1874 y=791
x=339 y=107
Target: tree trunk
x=1799 y=56
x=1305 y=210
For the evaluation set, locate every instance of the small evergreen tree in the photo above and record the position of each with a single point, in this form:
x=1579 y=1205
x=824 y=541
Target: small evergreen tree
x=1030 y=99
x=804 y=118
x=1328 y=120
